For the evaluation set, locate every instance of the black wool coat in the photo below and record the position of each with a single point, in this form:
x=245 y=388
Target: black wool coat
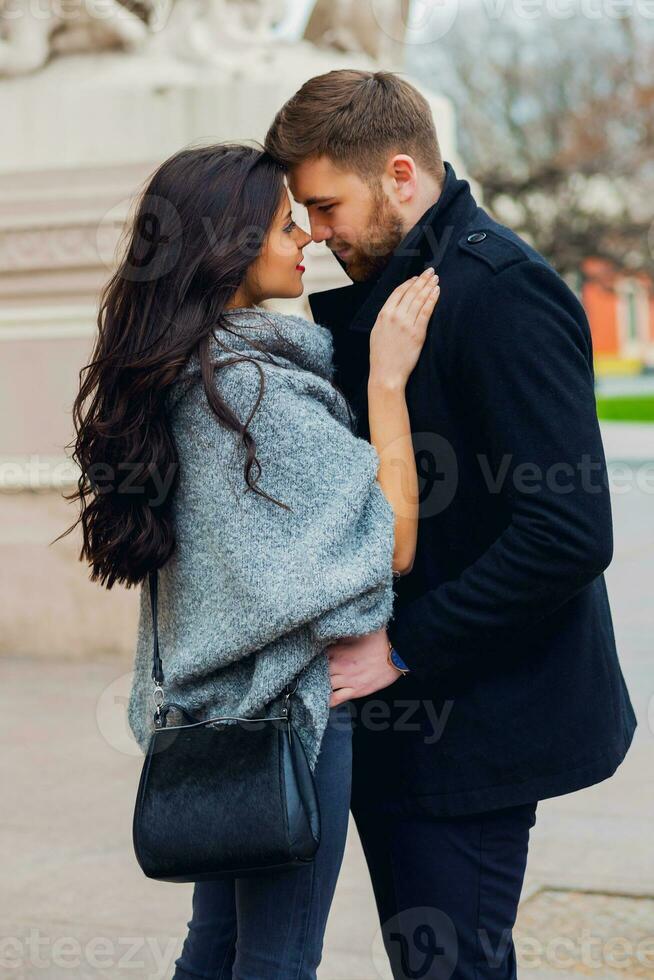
x=515 y=692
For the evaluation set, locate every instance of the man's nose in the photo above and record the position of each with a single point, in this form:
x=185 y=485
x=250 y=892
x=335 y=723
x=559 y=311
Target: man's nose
x=320 y=232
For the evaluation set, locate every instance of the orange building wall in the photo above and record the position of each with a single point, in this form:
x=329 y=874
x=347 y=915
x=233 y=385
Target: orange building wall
x=600 y=300
x=601 y=307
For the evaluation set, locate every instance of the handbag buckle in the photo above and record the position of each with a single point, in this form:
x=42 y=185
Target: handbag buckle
x=287 y=698
x=158 y=697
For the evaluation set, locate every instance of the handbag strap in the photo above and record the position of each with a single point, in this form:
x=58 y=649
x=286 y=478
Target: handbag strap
x=157 y=665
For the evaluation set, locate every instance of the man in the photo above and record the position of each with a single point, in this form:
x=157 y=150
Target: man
x=514 y=691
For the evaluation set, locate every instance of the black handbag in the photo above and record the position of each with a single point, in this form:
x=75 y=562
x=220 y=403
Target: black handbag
x=223 y=796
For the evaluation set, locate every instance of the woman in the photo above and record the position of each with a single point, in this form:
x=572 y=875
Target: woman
x=215 y=447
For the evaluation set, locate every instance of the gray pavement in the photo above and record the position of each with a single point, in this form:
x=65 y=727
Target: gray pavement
x=631 y=442
x=640 y=384
x=75 y=904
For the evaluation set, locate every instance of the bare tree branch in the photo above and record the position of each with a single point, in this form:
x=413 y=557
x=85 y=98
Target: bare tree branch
x=556 y=123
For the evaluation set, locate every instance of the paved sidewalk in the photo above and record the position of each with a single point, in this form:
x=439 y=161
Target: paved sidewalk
x=632 y=441
x=75 y=904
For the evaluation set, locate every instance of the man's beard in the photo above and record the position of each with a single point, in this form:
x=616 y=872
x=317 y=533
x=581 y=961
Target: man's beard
x=380 y=239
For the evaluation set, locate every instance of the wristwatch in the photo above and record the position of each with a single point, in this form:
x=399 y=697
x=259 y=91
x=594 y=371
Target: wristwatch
x=395 y=660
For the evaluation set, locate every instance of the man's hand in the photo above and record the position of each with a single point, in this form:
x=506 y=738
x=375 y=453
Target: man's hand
x=359 y=665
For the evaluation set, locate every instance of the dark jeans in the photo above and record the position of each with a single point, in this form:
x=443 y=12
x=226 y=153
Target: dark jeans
x=271 y=927
x=447 y=889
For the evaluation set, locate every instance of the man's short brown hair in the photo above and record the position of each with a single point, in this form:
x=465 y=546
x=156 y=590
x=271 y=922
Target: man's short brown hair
x=356 y=119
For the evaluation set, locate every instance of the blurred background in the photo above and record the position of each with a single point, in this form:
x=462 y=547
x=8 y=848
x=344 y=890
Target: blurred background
x=547 y=107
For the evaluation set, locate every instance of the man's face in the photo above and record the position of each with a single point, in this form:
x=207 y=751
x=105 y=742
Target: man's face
x=357 y=220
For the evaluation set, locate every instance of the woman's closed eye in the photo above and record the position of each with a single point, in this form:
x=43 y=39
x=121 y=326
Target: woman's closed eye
x=290 y=226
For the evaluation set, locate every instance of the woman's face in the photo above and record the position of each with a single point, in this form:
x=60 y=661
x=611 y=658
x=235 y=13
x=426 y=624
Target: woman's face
x=277 y=271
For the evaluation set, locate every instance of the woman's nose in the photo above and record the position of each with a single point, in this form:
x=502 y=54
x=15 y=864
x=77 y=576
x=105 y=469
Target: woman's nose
x=304 y=239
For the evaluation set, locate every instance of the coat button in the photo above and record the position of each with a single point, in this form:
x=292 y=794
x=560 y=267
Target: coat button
x=477 y=236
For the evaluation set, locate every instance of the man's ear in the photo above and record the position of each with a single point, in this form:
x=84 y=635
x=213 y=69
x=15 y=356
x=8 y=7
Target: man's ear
x=402 y=171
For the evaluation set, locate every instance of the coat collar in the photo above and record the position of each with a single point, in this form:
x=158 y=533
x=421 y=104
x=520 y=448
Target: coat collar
x=424 y=244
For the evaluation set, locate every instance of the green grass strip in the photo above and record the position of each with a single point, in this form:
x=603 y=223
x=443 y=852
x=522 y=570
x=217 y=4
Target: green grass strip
x=626 y=408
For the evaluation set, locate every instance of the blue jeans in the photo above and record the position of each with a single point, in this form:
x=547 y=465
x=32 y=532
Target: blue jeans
x=273 y=926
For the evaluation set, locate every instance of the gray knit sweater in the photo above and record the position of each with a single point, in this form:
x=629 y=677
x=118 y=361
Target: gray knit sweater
x=253 y=593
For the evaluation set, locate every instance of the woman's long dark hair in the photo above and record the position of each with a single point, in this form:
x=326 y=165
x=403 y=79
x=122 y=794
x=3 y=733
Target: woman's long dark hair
x=199 y=224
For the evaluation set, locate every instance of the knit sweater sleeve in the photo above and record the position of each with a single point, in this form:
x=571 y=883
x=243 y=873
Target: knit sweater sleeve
x=326 y=563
